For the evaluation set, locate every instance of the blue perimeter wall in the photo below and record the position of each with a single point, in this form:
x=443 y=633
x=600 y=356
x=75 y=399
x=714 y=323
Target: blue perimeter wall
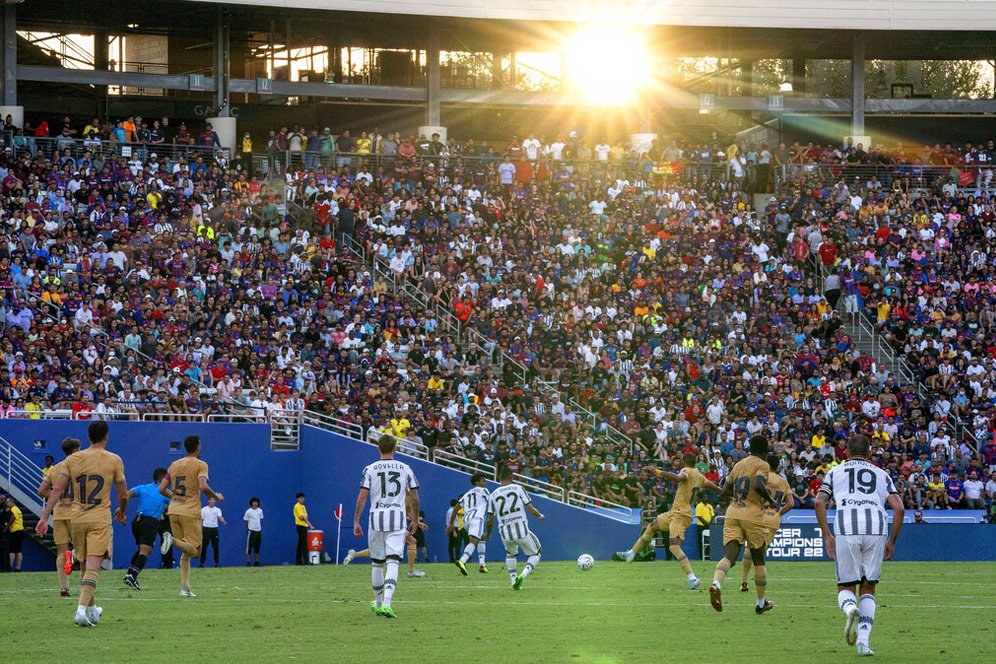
x=327 y=469
x=925 y=542
x=333 y=465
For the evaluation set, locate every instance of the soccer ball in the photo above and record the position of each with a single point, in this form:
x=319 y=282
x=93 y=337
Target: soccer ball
x=585 y=562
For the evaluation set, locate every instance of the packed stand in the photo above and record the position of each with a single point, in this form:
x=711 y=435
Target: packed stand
x=642 y=285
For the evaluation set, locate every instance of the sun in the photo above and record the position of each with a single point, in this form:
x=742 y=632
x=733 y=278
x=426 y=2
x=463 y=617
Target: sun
x=606 y=65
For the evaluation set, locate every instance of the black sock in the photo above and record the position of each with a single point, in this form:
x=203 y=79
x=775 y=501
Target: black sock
x=134 y=559
x=140 y=563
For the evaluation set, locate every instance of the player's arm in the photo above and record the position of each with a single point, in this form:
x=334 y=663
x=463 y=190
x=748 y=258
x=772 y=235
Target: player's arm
x=898 y=511
x=412 y=503
x=53 y=496
x=673 y=477
x=361 y=502
x=208 y=491
x=822 y=498
x=727 y=491
x=121 y=514
x=535 y=512
x=164 y=486
x=451 y=526
x=712 y=487
x=789 y=504
x=761 y=487
x=44 y=488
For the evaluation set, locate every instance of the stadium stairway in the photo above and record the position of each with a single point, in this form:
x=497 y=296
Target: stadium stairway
x=20 y=477
x=467 y=336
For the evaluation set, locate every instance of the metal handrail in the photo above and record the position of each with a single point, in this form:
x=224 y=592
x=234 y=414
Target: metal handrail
x=444 y=458
x=579 y=499
x=539 y=486
x=53 y=146
x=21 y=476
x=322 y=421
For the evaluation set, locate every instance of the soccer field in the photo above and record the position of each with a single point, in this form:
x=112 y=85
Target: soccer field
x=641 y=612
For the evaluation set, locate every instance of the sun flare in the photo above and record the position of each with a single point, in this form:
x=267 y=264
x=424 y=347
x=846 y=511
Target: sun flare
x=607 y=65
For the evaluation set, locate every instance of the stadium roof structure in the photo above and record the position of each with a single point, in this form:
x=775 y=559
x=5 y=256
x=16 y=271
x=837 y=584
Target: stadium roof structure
x=930 y=15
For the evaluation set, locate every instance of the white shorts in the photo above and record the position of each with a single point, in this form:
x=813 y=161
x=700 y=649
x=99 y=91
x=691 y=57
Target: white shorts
x=475 y=527
x=386 y=544
x=851 y=304
x=859 y=558
x=529 y=544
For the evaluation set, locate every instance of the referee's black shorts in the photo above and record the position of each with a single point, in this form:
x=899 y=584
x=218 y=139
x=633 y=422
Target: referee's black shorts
x=419 y=538
x=145 y=529
x=253 y=541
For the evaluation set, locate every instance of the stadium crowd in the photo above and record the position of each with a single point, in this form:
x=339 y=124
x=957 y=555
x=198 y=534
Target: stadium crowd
x=644 y=286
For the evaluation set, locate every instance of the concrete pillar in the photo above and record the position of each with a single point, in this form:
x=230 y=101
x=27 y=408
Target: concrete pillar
x=221 y=73
x=858 y=88
x=432 y=116
x=747 y=77
x=8 y=56
x=798 y=73
x=496 y=71
x=227 y=131
x=101 y=62
x=429 y=130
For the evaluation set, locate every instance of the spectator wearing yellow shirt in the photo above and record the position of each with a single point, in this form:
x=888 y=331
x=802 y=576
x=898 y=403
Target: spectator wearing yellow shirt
x=435 y=384
x=704 y=512
x=400 y=426
x=16 y=535
x=936 y=491
x=818 y=441
x=34 y=408
x=302 y=524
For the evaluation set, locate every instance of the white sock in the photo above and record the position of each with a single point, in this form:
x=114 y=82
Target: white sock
x=691 y=577
x=846 y=599
x=715 y=582
x=468 y=552
x=377 y=581
x=760 y=602
x=531 y=563
x=481 y=549
x=390 y=581
x=81 y=610
x=867 y=619
x=510 y=563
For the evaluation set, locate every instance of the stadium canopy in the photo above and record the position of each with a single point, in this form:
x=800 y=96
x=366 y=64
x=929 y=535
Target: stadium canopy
x=807 y=14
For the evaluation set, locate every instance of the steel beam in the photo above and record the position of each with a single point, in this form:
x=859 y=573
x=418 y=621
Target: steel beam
x=9 y=58
x=676 y=101
x=858 y=84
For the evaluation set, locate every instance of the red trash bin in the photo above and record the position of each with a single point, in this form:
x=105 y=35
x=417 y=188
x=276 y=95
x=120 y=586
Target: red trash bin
x=316 y=539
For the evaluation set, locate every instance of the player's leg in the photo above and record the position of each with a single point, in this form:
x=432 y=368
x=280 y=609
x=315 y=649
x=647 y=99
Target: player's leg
x=482 y=548
x=847 y=568
x=872 y=554
x=533 y=550
x=377 y=559
x=411 y=552
x=61 y=536
x=745 y=569
x=511 y=552
x=645 y=538
x=760 y=578
x=733 y=538
x=394 y=547
x=686 y=567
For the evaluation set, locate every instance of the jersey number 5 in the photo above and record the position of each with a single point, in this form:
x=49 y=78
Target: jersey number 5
x=180 y=485
x=394 y=479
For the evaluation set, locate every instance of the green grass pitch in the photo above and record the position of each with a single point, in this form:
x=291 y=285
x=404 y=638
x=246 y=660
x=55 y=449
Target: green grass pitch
x=641 y=612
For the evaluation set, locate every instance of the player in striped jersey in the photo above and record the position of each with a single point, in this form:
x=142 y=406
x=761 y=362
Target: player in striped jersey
x=475 y=514
x=781 y=495
x=393 y=492
x=859 y=542
x=508 y=503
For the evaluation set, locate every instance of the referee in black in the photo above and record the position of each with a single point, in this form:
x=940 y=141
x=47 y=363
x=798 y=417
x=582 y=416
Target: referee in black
x=145 y=526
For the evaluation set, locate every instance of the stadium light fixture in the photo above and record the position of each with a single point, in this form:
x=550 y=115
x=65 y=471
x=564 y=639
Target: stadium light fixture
x=786 y=86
